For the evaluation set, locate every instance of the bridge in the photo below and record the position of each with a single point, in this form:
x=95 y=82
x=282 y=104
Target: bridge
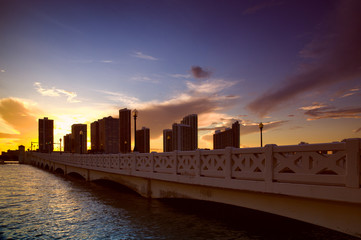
x=314 y=183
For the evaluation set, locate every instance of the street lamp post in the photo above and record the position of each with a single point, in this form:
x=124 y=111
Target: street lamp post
x=135 y=115
x=81 y=141
x=260 y=128
x=60 y=145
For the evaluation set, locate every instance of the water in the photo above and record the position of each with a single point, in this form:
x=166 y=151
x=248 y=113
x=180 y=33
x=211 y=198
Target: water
x=35 y=204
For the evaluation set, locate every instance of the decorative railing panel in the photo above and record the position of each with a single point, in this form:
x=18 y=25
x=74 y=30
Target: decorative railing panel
x=144 y=162
x=187 y=163
x=248 y=164
x=165 y=162
x=311 y=165
x=125 y=161
x=213 y=163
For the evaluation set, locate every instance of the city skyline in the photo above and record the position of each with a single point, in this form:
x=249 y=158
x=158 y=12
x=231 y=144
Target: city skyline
x=293 y=65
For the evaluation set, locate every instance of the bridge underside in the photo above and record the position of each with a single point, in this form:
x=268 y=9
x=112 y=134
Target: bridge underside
x=343 y=217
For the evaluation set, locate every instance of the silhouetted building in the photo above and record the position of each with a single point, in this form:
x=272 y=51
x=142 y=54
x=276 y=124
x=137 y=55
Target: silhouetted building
x=46 y=135
x=192 y=121
x=228 y=138
x=124 y=130
x=109 y=135
x=94 y=136
x=67 y=143
x=142 y=140
x=167 y=140
x=181 y=137
x=79 y=138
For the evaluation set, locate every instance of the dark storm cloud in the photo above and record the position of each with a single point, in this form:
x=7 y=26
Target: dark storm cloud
x=336 y=57
x=199 y=72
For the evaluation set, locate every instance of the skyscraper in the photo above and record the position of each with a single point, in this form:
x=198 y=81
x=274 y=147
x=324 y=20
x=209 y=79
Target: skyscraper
x=142 y=140
x=109 y=135
x=46 y=135
x=228 y=138
x=181 y=137
x=167 y=140
x=79 y=138
x=94 y=136
x=192 y=121
x=124 y=130
x=67 y=143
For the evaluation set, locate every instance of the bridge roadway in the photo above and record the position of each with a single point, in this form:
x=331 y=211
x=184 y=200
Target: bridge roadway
x=315 y=183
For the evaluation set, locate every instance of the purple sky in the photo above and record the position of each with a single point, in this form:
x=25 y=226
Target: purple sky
x=294 y=65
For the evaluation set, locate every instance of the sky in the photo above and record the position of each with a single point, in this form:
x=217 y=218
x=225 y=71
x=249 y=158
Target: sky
x=293 y=65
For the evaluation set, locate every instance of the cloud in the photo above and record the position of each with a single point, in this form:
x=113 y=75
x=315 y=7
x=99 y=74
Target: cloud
x=260 y=6
x=181 y=76
x=106 y=61
x=314 y=105
x=16 y=114
x=209 y=86
x=121 y=98
x=54 y=92
x=143 y=56
x=331 y=112
x=337 y=59
x=159 y=116
x=144 y=79
x=245 y=126
x=200 y=73
x=2 y=70
x=357 y=130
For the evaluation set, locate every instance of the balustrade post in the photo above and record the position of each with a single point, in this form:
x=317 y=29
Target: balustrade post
x=198 y=162
x=228 y=163
x=176 y=161
x=353 y=162
x=268 y=172
x=152 y=161
x=134 y=161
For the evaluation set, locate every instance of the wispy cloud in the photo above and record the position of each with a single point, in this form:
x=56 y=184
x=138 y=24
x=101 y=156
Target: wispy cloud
x=143 y=56
x=2 y=70
x=331 y=112
x=121 y=98
x=357 y=130
x=262 y=5
x=55 y=92
x=209 y=86
x=314 y=105
x=144 y=79
x=181 y=76
x=106 y=61
x=337 y=60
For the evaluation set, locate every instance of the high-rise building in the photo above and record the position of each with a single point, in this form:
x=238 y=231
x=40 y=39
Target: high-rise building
x=67 y=143
x=124 y=130
x=192 y=121
x=79 y=138
x=94 y=136
x=181 y=137
x=167 y=140
x=142 y=140
x=228 y=138
x=109 y=135
x=46 y=135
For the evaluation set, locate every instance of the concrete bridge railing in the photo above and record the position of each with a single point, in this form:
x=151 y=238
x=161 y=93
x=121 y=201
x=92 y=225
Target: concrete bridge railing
x=328 y=171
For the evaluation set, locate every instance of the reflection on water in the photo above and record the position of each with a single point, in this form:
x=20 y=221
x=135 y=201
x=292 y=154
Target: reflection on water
x=38 y=204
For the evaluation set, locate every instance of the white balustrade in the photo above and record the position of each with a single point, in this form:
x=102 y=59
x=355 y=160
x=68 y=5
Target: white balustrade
x=331 y=164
